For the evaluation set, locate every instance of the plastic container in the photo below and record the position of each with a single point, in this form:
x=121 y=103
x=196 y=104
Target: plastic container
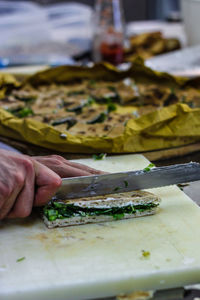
x=190 y=14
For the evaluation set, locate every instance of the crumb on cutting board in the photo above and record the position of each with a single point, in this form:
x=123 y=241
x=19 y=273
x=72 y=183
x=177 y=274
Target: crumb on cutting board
x=137 y=296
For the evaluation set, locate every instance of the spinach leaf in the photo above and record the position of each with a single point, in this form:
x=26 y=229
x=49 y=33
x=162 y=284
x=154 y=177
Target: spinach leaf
x=118 y=216
x=51 y=214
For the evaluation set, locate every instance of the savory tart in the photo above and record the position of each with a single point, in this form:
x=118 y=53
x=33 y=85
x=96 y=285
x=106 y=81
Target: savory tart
x=94 y=108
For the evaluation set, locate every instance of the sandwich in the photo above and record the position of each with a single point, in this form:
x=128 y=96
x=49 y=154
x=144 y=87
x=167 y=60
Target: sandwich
x=100 y=209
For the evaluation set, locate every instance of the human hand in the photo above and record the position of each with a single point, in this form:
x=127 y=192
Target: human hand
x=65 y=168
x=24 y=183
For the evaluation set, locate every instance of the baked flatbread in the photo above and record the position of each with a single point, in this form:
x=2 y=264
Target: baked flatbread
x=100 y=209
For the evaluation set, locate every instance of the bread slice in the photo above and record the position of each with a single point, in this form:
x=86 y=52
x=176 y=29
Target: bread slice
x=100 y=209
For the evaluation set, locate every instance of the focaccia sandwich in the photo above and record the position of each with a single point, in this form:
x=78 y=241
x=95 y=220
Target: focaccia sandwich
x=100 y=209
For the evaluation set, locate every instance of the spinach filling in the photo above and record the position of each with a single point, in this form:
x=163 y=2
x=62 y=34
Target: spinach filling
x=56 y=210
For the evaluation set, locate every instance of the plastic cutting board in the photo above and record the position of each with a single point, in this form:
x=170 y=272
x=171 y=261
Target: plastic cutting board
x=102 y=260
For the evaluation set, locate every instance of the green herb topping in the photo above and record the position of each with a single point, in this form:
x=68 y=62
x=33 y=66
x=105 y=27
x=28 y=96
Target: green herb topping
x=25 y=112
x=90 y=101
x=56 y=210
x=21 y=112
x=149 y=167
x=20 y=259
x=99 y=157
x=126 y=183
x=145 y=254
x=111 y=107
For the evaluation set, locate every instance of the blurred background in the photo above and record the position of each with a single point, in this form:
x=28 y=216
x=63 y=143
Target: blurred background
x=134 y=9
x=49 y=32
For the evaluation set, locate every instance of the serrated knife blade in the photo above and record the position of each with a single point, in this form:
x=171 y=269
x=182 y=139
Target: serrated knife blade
x=89 y=186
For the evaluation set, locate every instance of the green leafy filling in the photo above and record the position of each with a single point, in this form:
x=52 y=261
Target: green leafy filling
x=56 y=210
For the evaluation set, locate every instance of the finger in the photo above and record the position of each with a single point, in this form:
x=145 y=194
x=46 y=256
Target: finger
x=24 y=203
x=61 y=166
x=47 y=184
x=9 y=201
x=65 y=170
x=85 y=168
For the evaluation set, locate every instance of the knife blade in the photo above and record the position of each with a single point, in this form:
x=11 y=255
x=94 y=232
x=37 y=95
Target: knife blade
x=90 y=186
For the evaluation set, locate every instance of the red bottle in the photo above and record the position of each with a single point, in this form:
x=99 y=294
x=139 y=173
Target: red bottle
x=108 y=41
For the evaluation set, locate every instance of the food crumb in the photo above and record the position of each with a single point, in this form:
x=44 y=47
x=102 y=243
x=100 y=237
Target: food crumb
x=168 y=259
x=99 y=156
x=149 y=167
x=20 y=259
x=145 y=254
x=137 y=296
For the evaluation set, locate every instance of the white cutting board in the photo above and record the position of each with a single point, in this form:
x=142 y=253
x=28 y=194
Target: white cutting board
x=103 y=259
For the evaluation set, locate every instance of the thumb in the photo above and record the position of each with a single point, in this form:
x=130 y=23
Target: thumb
x=47 y=183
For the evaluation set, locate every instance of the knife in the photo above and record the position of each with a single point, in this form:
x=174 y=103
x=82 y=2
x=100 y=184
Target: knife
x=90 y=186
